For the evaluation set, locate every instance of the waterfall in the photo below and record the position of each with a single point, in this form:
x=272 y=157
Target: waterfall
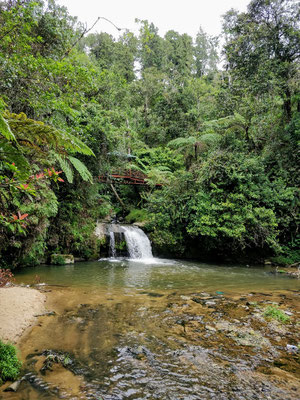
x=138 y=244
x=112 y=244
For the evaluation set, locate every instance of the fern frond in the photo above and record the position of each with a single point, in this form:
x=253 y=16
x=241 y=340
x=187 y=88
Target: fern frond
x=5 y=130
x=182 y=142
x=65 y=166
x=28 y=131
x=210 y=138
x=139 y=166
x=81 y=169
x=10 y=154
x=75 y=145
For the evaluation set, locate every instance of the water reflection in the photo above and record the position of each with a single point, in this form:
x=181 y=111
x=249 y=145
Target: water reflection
x=157 y=274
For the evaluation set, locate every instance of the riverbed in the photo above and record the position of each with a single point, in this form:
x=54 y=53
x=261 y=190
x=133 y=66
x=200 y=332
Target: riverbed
x=161 y=329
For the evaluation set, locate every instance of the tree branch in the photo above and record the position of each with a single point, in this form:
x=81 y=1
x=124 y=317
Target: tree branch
x=87 y=31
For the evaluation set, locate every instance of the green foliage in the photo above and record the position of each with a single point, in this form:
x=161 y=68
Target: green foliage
x=66 y=167
x=57 y=259
x=9 y=364
x=290 y=253
x=206 y=55
x=136 y=215
x=267 y=36
x=275 y=313
x=81 y=169
x=218 y=149
x=159 y=157
x=5 y=129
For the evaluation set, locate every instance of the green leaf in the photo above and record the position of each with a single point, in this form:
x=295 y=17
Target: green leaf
x=82 y=169
x=66 y=167
x=75 y=145
x=10 y=154
x=5 y=129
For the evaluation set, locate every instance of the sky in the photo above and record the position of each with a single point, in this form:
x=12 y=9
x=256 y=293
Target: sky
x=184 y=16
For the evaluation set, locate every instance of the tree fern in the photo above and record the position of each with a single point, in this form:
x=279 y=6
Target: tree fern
x=182 y=142
x=81 y=169
x=210 y=138
x=37 y=135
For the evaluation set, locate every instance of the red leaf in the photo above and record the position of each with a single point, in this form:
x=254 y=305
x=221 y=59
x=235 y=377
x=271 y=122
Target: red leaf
x=40 y=175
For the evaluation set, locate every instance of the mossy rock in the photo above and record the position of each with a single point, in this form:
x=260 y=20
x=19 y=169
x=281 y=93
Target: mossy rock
x=62 y=259
x=9 y=364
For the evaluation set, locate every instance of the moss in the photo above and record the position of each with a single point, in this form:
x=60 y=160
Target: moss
x=276 y=313
x=9 y=364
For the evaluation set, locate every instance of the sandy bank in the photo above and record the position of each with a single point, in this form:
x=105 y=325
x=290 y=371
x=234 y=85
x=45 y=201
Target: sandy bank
x=18 y=307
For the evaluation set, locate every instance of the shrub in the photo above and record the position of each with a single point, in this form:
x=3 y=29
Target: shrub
x=9 y=364
x=136 y=215
x=57 y=259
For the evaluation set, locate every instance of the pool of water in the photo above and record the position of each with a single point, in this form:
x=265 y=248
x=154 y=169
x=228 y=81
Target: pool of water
x=158 y=329
x=157 y=274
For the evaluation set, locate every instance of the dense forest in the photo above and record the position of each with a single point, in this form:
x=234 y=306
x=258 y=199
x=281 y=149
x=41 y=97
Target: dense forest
x=214 y=131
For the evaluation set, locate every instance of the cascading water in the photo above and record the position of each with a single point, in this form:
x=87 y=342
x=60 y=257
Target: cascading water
x=112 y=244
x=138 y=244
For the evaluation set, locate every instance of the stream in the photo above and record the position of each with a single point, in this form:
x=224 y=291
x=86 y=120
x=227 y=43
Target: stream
x=160 y=329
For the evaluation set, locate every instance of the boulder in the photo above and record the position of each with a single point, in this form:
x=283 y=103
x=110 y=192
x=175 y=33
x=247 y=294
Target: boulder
x=62 y=259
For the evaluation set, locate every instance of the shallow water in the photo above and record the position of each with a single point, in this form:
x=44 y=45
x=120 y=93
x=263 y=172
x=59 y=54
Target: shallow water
x=127 y=329
x=157 y=274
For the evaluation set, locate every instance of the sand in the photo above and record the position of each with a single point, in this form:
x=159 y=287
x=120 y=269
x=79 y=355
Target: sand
x=18 y=308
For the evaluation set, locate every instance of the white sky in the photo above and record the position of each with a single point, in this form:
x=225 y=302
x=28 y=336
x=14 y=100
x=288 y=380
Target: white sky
x=184 y=16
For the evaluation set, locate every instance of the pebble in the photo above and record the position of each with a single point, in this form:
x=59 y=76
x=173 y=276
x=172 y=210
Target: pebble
x=13 y=387
x=288 y=313
x=211 y=328
x=292 y=349
x=210 y=303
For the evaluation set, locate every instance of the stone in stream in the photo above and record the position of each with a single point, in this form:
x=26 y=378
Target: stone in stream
x=292 y=349
x=62 y=259
x=14 y=386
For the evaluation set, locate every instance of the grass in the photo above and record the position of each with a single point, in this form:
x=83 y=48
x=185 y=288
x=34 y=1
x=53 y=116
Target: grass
x=276 y=313
x=9 y=364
